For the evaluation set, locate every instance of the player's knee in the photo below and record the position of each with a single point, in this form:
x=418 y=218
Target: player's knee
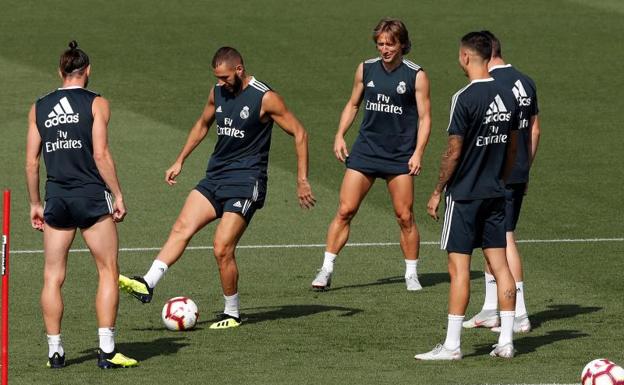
x=405 y=218
x=223 y=251
x=458 y=273
x=53 y=278
x=346 y=212
x=108 y=269
x=182 y=229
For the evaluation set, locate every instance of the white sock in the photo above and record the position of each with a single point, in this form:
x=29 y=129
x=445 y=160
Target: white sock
x=55 y=345
x=231 y=305
x=491 y=296
x=453 y=331
x=410 y=267
x=155 y=273
x=328 y=262
x=507 y=322
x=520 y=306
x=107 y=339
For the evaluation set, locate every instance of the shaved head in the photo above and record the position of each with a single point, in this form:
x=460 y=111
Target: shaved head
x=227 y=55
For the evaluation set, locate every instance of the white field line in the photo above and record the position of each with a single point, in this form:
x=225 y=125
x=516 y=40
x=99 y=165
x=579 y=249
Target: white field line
x=319 y=245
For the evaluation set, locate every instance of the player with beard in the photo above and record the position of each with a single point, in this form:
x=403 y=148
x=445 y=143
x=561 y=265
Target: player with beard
x=70 y=127
x=482 y=138
x=243 y=109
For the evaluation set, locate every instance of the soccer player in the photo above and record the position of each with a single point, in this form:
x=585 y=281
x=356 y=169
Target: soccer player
x=69 y=125
x=525 y=93
x=481 y=144
x=235 y=185
x=390 y=145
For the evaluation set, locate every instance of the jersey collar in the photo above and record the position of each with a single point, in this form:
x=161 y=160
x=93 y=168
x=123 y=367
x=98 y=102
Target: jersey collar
x=70 y=88
x=482 y=80
x=500 y=66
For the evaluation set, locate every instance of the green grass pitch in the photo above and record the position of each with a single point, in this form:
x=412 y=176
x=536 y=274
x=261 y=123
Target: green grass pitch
x=151 y=59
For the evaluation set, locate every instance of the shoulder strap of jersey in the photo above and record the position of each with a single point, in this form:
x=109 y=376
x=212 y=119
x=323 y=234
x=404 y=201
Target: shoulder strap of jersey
x=255 y=83
x=411 y=65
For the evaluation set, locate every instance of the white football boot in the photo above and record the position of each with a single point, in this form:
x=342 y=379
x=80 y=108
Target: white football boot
x=521 y=325
x=440 y=353
x=412 y=283
x=504 y=351
x=484 y=319
x=322 y=280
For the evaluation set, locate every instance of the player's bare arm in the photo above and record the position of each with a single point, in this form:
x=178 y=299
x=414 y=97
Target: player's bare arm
x=348 y=114
x=102 y=156
x=196 y=135
x=450 y=159
x=33 y=154
x=273 y=106
x=423 y=103
x=534 y=138
x=510 y=157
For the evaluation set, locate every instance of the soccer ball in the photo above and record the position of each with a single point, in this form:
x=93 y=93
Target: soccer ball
x=602 y=372
x=180 y=313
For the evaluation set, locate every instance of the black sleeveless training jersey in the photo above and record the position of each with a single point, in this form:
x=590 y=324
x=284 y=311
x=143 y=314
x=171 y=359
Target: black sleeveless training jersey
x=483 y=113
x=243 y=143
x=65 y=122
x=390 y=124
x=525 y=92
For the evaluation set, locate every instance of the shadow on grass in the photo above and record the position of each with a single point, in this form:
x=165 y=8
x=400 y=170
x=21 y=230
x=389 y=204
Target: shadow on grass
x=562 y=311
x=140 y=351
x=531 y=343
x=426 y=280
x=272 y=313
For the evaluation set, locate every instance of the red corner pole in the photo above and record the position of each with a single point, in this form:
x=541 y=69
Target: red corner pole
x=6 y=227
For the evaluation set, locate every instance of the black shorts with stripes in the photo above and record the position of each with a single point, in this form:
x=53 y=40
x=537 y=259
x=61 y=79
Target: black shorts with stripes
x=72 y=212
x=233 y=196
x=471 y=224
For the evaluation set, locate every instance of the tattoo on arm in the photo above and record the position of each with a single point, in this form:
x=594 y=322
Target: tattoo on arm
x=450 y=159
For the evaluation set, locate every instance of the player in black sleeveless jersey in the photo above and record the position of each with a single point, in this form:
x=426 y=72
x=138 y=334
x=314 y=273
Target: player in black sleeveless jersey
x=481 y=148
x=525 y=92
x=243 y=110
x=394 y=133
x=69 y=126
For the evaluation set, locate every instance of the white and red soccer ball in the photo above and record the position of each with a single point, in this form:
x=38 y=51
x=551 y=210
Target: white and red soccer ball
x=180 y=313
x=602 y=372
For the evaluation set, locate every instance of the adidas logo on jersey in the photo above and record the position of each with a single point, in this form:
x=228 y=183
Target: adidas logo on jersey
x=370 y=84
x=62 y=113
x=520 y=93
x=218 y=109
x=497 y=112
x=237 y=204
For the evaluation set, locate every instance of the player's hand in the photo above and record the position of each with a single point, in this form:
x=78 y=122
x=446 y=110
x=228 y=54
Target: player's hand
x=340 y=148
x=119 y=209
x=36 y=216
x=432 y=205
x=304 y=193
x=415 y=165
x=172 y=173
